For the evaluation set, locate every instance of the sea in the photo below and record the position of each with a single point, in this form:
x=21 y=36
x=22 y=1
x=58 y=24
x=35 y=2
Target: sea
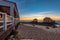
x=58 y=21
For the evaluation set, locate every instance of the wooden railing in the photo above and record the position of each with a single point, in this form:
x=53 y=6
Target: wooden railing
x=5 y=20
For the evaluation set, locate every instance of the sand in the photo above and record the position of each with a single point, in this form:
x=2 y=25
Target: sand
x=37 y=33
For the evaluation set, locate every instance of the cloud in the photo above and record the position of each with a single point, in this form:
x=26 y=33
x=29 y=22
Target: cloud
x=41 y=14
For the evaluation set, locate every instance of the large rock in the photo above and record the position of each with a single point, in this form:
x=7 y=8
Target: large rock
x=35 y=21
x=48 y=20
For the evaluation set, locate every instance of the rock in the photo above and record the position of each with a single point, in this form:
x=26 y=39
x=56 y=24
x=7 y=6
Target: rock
x=48 y=20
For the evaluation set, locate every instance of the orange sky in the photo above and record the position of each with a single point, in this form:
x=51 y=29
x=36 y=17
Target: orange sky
x=40 y=18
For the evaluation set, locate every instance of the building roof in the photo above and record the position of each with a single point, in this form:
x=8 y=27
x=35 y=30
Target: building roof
x=15 y=8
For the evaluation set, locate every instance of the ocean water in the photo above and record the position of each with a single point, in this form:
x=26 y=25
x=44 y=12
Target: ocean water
x=38 y=21
x=58 y=22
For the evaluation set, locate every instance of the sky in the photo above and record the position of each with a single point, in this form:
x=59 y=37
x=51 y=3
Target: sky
x=30 y=9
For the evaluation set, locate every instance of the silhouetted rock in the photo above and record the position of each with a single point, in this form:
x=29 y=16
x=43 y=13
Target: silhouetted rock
x=35 y=21
x=49 y=22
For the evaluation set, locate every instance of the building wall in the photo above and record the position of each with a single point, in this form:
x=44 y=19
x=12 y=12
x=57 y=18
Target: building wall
x=11 y=5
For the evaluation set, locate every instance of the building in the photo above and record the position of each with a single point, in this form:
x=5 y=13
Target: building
x=9 y=18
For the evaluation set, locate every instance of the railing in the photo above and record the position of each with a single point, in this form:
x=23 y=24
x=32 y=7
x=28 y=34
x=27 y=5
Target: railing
x=5 y=20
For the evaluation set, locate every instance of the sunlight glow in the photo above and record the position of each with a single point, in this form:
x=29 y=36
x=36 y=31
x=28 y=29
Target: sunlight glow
x=40 y=18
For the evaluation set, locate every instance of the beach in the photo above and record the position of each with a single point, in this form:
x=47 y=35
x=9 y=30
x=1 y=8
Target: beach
x=38 y=33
